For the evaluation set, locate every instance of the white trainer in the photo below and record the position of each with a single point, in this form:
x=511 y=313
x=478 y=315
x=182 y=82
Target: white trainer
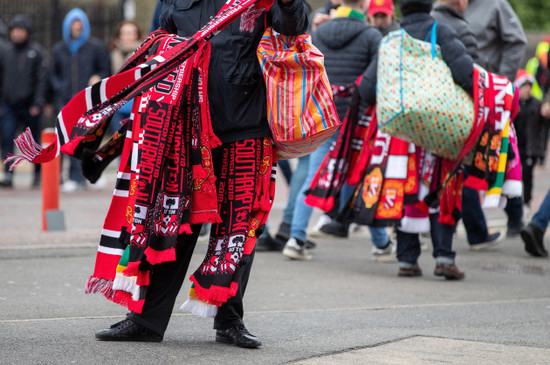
x=294 y=251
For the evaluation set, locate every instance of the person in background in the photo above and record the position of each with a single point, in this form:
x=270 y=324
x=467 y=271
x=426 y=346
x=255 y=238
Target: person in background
x=350 y=46
x=501 y=46
x=323 y=14
x=78 y=61
x=127 y=37
x=23 y=72
x=418 y=23
x=451 y=12
x=530 y=128
x=381 y=16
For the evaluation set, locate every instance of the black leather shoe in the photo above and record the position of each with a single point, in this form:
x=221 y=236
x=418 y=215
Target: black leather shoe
x=239 y=336
x=534 y=241
x=128 y=330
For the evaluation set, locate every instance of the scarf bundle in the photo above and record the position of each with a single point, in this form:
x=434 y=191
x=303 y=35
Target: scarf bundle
x=165 y=180
x=345 y=158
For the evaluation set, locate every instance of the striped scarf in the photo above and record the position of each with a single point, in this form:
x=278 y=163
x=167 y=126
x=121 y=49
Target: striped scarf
x=165 y=180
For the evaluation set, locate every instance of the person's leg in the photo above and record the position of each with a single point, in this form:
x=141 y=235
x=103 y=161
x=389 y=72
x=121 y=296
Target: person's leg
x=238 y=214
x=442 y=239
x=285 y=168
x=231 y=313
x=35 y=125
x=379 y=236
x=473 y=217
x=166 y=281
x=408 y=251
x=527 y=166
x=302 y=211
x=542 y=216
x=295 y=247
x=514 y=210
x=9 y=126
x=298 y=178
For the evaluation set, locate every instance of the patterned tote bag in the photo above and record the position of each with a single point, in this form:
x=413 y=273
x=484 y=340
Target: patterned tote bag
x=300 y=107
x=417 y=99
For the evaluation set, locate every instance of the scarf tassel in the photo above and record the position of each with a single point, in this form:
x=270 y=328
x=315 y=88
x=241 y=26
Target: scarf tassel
x=29 y=148
x=97 y=285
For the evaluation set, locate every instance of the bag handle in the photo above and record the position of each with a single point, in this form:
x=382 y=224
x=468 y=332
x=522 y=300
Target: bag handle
x=432 y=34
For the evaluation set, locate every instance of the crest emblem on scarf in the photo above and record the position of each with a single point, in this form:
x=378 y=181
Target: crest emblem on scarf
x=248 y=19
x=372 y=186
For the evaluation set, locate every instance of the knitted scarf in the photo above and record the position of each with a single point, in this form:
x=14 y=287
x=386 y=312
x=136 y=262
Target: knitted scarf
x=165 y=180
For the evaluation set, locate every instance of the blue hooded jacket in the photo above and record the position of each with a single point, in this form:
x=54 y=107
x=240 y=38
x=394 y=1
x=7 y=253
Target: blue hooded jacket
x=75 y=61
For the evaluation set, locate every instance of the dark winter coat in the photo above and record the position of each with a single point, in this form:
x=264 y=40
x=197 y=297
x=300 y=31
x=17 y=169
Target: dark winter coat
x=350 y=46
x=531 y=129
x=449 y=16
x=236 y=87
x=24 y=74
x=418 y=25
x=75 y=61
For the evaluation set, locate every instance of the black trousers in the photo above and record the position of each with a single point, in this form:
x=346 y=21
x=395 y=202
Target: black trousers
x=168 y=278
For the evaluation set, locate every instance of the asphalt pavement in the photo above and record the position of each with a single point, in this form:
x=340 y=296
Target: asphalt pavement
x=339 y=308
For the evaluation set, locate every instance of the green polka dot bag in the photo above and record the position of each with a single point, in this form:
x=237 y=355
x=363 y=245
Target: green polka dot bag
x=417 y=99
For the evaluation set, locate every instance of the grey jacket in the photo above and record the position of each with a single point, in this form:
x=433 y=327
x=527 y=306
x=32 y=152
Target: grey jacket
x=446 y=15
x=500 y=38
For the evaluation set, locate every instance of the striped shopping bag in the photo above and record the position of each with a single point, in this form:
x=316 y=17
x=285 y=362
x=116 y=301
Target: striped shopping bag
x=300 y=107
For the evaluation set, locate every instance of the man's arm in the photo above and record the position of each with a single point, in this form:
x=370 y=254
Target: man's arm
x=513 y=40
x=289 y=17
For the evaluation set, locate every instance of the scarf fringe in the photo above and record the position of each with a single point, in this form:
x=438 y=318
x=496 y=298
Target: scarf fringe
x=155 y=257
x=205 y=217
x=127 y=284
x=215 y=295
x=199 y=308
x=97 y=285
x=29 y=148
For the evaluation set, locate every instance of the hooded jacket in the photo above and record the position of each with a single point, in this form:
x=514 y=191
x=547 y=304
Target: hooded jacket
x=350 y=46
x=447 y=15
x=23 y=69
x=74 y=61
x=418 y=23
x=236 y=87
x=500 y=38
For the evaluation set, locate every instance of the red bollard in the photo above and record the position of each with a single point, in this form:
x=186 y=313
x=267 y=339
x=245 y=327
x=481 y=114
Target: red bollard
x=50 y=180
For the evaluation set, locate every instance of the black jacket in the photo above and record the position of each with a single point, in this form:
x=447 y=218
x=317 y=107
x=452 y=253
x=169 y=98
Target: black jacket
x=71 y=73
x=23 y=73
x=446 y=15
x=236 y=87
x=530 y=129
x=350 y=46
x=418 y=25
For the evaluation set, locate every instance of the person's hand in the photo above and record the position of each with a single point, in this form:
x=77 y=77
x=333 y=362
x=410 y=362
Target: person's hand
x=49 y=110
x=545 y=109
x=94 y=80
x=319 y=19
x=34 y=111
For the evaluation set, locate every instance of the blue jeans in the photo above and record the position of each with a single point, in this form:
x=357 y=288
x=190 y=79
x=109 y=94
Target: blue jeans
x=542 y=216
x=296 y=182
x=474 y=219
x=302 y=211
x=408 y=244
x=378 y=235
x=298 y=177
x=11 y=117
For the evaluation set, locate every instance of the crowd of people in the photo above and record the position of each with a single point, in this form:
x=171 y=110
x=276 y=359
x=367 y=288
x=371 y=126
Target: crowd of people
x=33 y=85
x=348 y=33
